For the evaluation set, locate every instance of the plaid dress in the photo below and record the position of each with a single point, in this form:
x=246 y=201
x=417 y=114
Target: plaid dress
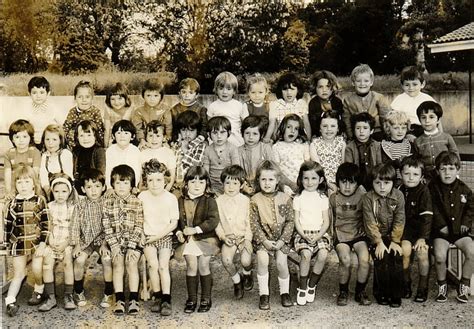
x=26 y=224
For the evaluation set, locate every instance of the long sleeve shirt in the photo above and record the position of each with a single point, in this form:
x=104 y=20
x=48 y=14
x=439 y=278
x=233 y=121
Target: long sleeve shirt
x=384 y=217
x=123 y=222
x=431 y=145
x=86 y=225
x=75 y=116
x=234 y=216
x=142 y=115
x=418 y=211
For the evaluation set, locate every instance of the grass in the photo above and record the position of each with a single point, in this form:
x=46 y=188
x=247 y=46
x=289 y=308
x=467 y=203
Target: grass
x=105 y=78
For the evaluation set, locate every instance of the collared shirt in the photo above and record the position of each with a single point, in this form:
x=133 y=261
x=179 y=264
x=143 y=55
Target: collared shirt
x=431 y=145
x=141 y=116
x=123 y=221
x=192 y=157
x=86 y=226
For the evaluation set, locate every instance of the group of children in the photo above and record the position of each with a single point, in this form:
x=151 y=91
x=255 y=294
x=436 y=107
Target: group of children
x=263 y=177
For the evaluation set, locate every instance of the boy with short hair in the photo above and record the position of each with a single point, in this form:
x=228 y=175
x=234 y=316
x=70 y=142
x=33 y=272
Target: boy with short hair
x=234 y=228
x=416 y=235
x=87 y=236
x=433 y=141
x=41 y=113
x=123 y=226
x=384 y=219
x=453 y=214
x=154 y=108
x=413 y=81
x=363 y=150
x=364 y=100
x=188 y=101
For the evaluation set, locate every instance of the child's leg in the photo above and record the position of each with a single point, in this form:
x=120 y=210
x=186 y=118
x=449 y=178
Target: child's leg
x=344 y=254
x=49 y=288
x=68 y=264
x=466 y=245
x=131 y=265
x=380 y=278
x=395 y=276
x=246 y=261
x=423 y=268
x=108 y=277
x=19 y=273
x=192 y=281
x=228 y=254
x=318 y=267
x=441 y=247
x=79 y=270
x=151 y=256
x=362 y=251
x=305 y=263
x=283 y=272
x=118 y=265
x=263 y=260
x=37 y=269
x=48 y=269
x=406 y=252
x=206 y=277
x=164 y=269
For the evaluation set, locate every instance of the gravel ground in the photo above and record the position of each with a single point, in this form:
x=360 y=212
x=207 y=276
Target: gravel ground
x=244 y=313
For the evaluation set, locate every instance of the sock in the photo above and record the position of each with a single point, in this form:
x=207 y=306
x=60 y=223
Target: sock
x=109 y=288
x=406 y=275
x=119 y=296
x=247 y=270
x=344 y=287
x=133 y=295
x=10 y=300
x=79 y=286
x=263 y=284
x=206 y=286
x=49 y=288
x=166 y=298
x=303 y=282
x=192 y=285
x=284 y=285
x=158 y=295
x=360 y=286
x=466 y=281
x=236 y=278
x=39 y=288
x=68 y=289
x=440 y=283
x=314 y=279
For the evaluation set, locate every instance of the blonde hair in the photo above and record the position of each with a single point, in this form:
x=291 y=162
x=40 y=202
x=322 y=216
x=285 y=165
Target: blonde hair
x=361 y=69
x=57 y=129
x=256 y=78
x=224 y=79
x=26 y=171
x=395 y=118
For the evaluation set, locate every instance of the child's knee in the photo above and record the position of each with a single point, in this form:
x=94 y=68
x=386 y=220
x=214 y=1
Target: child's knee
x=345 y=259
x=152 y=265
x=322 y=255
x=305 y=256
x=163 y=268
x=227 y=260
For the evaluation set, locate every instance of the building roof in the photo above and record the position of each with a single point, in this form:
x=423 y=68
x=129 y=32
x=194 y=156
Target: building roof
x=460 y=39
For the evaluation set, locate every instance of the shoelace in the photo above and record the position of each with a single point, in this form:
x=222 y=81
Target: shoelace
x=463 y=289
x=443 y=289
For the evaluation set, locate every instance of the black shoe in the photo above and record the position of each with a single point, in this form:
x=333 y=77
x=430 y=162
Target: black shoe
x=395 y=302
x=190 y=306
x=382 y=300
x=166 y=309
x=12 y=309
x=342 y=298
x=407 y=290
x=264 y=302
x=248 y=282
x=204 y=306
x=239 y=290
x=286 y=300
x=421 y=296
x=362 y=298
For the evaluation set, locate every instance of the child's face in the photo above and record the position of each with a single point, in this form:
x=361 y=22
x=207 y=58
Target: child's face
x=311 y=180
x=382 y=187
x=362 y=131
x=362 y=83
x=155 y=183
x=448 y=173
x=39 y=95
x=398 y=131
x=411 y=176
x=155 y=140
x=232 y=186
x=85 y=138
x=413 y=87
x=219 y=136
x=25 y=186
x=93 y=189
x=152 y=97
x=291 y=131
x=429 y=121
x=251 y=136
x=347 y=187
x=225 y=93
x=323 y=89
x=187 y=96
x=117 y=102
x=84 y=98
x=268 y=181
x=289 y=94
x=61 y=192
x=52 y=141
x=187 y=134
x=122 y=187
x=329 y=128
x=123 y=138
x=257 y=92
x=21 y=140
x=197 y=186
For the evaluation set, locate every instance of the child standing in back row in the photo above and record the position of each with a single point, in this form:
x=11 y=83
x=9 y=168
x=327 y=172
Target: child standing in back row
x=257 y=89
x=118 y=108
x=226 y=87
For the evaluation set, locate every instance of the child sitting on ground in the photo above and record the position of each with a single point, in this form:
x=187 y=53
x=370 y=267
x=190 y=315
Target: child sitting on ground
x=453 y=213
x=234 y=228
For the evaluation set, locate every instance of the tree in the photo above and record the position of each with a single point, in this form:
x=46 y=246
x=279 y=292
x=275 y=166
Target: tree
x=296 y=47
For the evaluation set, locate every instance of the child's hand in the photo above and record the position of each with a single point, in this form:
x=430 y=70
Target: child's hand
x=40 y=249
x=104 y=251
x=332 y=188
x=115 y=252
x=267 y=140
x=76 y=251
x=380 y=250
x=420 y=245
x=142 y=145
x=397 y=249
x=464 y=229
x=180 y=237
x=444 y=230
x=269 y=245
x=247 y=188
x=132 y=255
x=189 y=230
x=229 y=240
x=279 y=244
x=151 y=239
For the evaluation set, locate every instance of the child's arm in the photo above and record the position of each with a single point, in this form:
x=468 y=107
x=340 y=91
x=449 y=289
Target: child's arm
x=110 y=235
x=173 y=224
x=289 y=227
x=343 y=151
x=99 y=159
x=259 y=235
x=66 y=160
x=8 y=180
x=68 y=127
x=468 y=216
x=212 y=219
x=398 y=224
x=42 y=214
x=349 y=151
x=346 y=117
x=313 y=154
x=168 y=123
x=371 y=226
x=139 y=123
x=270 y=130
x=43 y=175
x=172 y=170
x=307 y=127
x=97 y=119
x=234 y=155
x=136 y=236
x=107 y=129
x=296 y=208
x=426 y=213
x=74 y=232
x=452 y=147
x=383 y=106
x=206 y=160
